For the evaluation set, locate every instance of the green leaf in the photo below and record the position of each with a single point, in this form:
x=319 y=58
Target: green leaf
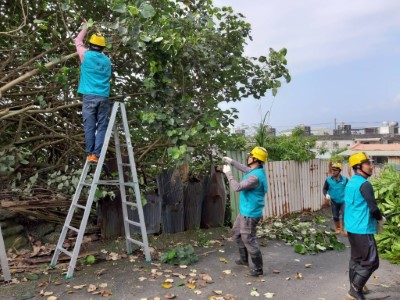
x=299 y=249
x=121 y=8
x=147 y=10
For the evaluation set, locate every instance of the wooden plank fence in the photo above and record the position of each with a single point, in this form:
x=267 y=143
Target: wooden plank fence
x=292 y=186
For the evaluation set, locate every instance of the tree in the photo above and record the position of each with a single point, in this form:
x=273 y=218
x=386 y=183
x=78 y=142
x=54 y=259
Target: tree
x=297 y=146
x=173 y=63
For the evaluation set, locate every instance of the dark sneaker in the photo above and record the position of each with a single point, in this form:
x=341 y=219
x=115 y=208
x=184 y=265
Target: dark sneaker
x=355 y=295
x=256 y=272
x=240 y=262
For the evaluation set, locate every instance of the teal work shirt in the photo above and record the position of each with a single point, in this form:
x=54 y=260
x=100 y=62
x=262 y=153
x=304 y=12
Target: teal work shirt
x=95 y=74
x=336 y=188
x=357 y=217
x=252 y=201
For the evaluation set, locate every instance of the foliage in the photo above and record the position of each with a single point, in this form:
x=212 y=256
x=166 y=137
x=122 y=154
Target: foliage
x=173 y=62
x=336 y=158
x=306 y=237
x=180 y=256
x=387 y=194
x=297 y=146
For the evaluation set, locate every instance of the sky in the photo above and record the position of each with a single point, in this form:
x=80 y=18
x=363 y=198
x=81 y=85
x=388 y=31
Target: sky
x=343 y=57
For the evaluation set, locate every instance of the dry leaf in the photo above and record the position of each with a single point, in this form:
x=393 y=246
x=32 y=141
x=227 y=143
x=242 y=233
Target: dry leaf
x=91 y=288
x=207 y=278
x=142 y=278
x=218 y=292
x=166 y=285
x=227 y=272
x=105 y=293
x=299 y=275
x=197 y=292
x=287 y=278
x=48 y=293
x=269 y=295
x=254 y=293
x=170 y=280
x=183 y=266
x=308 y=265
x=99 y=272
x=276 y=271
x=78 y=287
x=169 y=296
x=52 y=298
x=103 y=285
x=224 y=260
x=191 y=286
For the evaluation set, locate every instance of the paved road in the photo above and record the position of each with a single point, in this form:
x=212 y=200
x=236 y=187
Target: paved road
x=326 y=279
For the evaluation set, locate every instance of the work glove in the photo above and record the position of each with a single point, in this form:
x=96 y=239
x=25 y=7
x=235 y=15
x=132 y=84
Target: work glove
x=380 y=225
x=328 y=197
x=227 y=160
x=226 y=169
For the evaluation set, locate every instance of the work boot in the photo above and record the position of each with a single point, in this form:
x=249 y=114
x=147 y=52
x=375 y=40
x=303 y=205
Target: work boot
x=92 y=158
x=244 y=258
x=355 y=294
x=344 y=231
x=258 y=265
x=337 y=225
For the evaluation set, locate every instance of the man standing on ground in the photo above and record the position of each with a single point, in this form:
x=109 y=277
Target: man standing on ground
x=94 y=84
x=253 y=188
x=362 y=216
x=334 y=192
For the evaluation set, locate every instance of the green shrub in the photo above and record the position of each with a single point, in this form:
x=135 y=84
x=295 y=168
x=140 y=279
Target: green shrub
x=387 y=195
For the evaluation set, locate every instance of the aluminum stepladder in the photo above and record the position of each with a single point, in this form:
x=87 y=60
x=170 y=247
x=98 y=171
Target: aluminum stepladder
x=3 y=259
x=112 y=129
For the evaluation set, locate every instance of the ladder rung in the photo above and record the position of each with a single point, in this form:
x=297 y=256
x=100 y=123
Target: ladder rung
x=80 y=206
x=72 y=228
x=125 y=165
x=65 y=251
x=132 y=222
x=135 y=241
x=129 y=203
x=115 y=182
x=86 y=183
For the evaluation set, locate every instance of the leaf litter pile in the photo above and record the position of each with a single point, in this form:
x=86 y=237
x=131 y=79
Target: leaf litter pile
x=309 y=237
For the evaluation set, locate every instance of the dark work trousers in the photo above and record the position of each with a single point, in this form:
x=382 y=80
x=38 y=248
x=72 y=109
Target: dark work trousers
x=364 y=258
x=244 y=233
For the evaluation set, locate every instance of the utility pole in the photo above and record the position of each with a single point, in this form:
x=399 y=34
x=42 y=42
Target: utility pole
x=334 y=121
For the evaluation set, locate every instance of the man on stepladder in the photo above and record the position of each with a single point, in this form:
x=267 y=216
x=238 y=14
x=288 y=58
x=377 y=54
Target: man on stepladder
x=333 y=191
x=253 y=188
x=94 y=85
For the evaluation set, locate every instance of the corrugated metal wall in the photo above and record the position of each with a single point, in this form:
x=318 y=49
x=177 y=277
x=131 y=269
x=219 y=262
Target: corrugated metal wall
x=292 y=186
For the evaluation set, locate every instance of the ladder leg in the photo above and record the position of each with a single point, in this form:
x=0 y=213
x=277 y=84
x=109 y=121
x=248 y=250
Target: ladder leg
x=4 y=260
x=122 y=189
x=70 y=214
x=136 y=183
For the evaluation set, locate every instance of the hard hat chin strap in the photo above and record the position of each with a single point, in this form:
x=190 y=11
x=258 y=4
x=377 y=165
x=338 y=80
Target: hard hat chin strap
x=365 y=173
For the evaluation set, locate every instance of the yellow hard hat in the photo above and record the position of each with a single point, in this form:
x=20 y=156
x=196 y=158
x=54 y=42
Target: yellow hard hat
x=337 y=166
x=260 y=153
x=97 y=39
x=357 y=159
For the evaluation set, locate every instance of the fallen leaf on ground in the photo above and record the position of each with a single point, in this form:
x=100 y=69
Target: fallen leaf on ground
x=227 y=272
x=91 y=288
x=183 y=266
x=142 y=278
x=52 y=298
x=99 y=272
x=224 y=260
x=197 y=292
x=218 y=292
x=276 y=271
x=191 y=286
x=170 y=296
x=308 y=265
x=170 y=280
x=166 y=285
x=78 y=287
x=269 y=295
x=299 y=275
x=105 y=293
x=207 y=278
x=287 y=278
x=254 y=293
